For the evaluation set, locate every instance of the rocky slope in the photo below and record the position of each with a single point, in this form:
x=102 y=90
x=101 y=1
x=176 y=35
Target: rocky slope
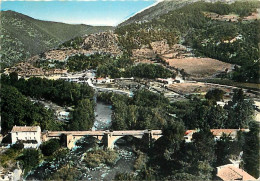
x=103 y=42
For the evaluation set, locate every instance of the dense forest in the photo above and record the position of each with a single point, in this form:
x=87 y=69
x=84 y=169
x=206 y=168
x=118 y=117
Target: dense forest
x=116 y=67
x=189 y=25
x=170 y=157
x=148 y=110
x=17 y=108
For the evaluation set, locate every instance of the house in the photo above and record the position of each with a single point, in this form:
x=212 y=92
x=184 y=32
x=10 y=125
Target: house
x=232 y=172
x=165 y=81
x=103 y=80
x=217 y=133
x=29 y=135
x=221 y=103
x=188 y=135
x=63 y=115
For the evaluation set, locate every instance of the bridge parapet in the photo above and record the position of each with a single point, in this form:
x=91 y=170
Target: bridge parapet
x=110 y=136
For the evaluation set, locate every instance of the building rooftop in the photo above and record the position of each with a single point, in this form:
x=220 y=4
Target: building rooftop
x=219 y=132
x=230 y=172
x=25 y=129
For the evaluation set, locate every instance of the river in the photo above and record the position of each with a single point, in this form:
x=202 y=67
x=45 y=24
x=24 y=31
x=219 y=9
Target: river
x=103 y=114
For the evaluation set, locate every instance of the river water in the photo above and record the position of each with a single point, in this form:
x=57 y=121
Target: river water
x=125 y=164
x=103 y=114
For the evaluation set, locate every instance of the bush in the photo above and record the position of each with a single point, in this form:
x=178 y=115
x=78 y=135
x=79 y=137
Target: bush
x=215 y=94
x=140 y=161
x=96 y=157
x=30 y=158
x=66 y=173
x=8 y=157
x=18 y=145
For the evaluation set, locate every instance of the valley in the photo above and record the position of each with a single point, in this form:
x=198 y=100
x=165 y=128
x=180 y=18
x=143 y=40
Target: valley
x=185 y=70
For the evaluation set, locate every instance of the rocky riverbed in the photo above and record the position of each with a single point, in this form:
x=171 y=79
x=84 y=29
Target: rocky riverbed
x=75 y=158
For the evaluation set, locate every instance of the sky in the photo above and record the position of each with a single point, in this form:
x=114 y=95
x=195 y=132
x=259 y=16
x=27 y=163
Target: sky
x=93 y=12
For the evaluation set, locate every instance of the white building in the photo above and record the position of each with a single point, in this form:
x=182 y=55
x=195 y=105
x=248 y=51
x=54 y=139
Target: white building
x=29 y=135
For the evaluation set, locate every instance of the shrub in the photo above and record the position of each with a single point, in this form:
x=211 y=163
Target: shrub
x=96 y=157
x=49 y=147
x=140 y=160
x=18 y=145
x=30 y=158
x=215 y=94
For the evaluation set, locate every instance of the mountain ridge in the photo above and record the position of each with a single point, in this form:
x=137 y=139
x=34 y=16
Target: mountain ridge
x=24 y=36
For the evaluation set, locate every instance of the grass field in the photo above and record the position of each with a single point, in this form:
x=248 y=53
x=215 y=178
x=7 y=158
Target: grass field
x=199 y=67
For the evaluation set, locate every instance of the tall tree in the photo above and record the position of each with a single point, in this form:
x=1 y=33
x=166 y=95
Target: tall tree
x=83 y=116
x=251 y=150
x=223 y=149
x=240 y=111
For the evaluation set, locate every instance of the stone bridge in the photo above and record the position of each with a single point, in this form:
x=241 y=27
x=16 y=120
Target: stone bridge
x=109 y=137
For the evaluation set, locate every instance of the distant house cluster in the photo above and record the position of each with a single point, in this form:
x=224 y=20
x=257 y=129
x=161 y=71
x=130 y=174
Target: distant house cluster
x=231 y=17
x=170 y=80
x=25 y=69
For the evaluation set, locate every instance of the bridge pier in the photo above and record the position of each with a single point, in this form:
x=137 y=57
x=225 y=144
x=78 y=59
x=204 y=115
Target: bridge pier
x=110 y=140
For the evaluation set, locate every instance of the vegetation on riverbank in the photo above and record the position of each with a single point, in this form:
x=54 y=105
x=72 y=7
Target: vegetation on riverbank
x=25 y=112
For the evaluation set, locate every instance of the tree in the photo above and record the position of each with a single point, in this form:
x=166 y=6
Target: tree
x=215 y=94
x=222 y=150
x=12 y=108
x=251 y=150
x=16 y=109
x=165 y=149
x=204 y=145
x=18 y=145
x=30 y=158
x=204 y=155
x=13 y=77
x=49 y=147
x=83 y=116
x=66 y=173
x=240 y=111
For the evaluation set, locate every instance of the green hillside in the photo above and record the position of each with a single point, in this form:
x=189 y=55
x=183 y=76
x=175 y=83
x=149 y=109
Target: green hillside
x=155 y=11
x=190 y=26
x=23 y=36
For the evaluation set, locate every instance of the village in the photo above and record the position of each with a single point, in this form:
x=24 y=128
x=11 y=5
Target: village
x=139 y=103
x=175 y=89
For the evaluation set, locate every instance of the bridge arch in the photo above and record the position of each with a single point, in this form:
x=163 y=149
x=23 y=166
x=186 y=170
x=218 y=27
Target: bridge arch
x=113 y=139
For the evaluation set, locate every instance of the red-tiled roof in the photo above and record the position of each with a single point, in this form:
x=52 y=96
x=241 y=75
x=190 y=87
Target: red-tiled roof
x=25 y=129
x=189 y=131
x=230 y=172
x=219 y=132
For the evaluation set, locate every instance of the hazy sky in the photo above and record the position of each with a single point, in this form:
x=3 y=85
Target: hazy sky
x=98 y=12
